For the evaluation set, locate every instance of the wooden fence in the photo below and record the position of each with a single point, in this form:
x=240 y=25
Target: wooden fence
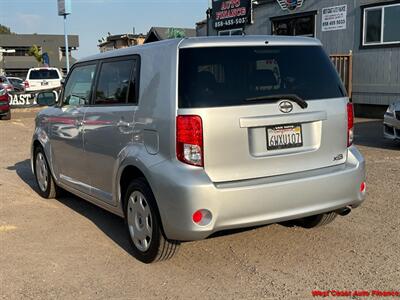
x=344 y=66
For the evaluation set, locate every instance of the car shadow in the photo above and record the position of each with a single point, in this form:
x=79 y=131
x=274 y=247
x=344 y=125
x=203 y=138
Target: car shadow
x=24 y=171
x=112 y=225
x=369 y=132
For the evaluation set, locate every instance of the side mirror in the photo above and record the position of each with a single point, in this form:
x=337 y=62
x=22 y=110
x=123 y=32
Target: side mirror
x=46 y=98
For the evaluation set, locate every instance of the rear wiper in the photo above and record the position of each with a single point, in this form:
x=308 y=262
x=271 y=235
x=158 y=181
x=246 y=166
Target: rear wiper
x=293 y=97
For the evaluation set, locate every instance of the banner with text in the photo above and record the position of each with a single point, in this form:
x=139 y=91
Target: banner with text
x=23 y=100
x=228 y=14
x=334 y=18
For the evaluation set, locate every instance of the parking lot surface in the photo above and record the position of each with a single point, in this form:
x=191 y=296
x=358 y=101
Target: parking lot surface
x=69 y=248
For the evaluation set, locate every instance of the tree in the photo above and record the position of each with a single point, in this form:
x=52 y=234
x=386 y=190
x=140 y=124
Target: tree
x=4 y=29
x=35 y=52
x=174 y=33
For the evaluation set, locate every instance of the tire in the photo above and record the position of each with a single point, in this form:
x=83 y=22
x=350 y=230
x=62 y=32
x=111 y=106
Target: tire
x=317 y=220
x=7 y=116
x=47 y=188
x=143 y=225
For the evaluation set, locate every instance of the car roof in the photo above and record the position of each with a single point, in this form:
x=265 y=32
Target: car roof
x=214 y=41
x=249 y=40
x=42 y=68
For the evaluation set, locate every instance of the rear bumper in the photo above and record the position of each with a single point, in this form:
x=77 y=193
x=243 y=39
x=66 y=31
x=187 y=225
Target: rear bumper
x=391 y=127
x=4 y=109
x=252 y=202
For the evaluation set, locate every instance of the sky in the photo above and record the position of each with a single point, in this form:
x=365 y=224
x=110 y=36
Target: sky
x=93 y=19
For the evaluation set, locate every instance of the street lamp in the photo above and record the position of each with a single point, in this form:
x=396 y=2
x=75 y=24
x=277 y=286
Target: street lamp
x=64 y=9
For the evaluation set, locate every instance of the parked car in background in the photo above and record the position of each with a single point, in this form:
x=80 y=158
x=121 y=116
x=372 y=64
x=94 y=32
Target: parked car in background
x=39 y=79
x=188 y=137
x=6 y=83
x=17 y=83
x=5 y=110
x=391 y=122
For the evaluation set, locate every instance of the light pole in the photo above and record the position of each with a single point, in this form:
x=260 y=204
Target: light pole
x=208 y=14
x=64 y=9
x=66 y=43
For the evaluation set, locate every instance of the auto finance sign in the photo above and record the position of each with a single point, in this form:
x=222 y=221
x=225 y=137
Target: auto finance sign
x=231 y=13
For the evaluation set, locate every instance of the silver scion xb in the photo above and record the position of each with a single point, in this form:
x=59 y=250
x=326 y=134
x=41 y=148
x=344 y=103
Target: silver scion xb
x=187 y=137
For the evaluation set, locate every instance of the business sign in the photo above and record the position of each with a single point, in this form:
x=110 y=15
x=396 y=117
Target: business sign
x=290 y=4
x=64 y=7
x=22 y=100
x=334 y=18
x=227 y=14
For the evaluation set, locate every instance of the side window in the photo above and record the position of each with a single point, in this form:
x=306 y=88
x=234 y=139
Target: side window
x=77 y=88
x=116 y=83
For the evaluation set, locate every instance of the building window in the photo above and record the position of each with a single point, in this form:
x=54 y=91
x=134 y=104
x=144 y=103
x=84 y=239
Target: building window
x=296 y=25
x=17 y=72
x=19 y=51
x=381 y=25
x=70 y=49
x=231 y=32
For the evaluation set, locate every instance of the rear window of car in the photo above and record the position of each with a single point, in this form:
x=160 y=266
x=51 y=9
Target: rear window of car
x=43 y=74
x=230 y=76
x=16 y=81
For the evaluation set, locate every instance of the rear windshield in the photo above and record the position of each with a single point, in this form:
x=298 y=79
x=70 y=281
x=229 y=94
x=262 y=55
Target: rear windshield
x=229 y=76
x=44 y=74
x=15 y=81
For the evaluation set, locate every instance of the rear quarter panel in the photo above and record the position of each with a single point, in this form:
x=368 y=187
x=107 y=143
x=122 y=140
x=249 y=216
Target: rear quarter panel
x=154 y=122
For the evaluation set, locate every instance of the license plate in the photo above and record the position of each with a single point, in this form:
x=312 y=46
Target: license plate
x=44 y=83
x=284 y=136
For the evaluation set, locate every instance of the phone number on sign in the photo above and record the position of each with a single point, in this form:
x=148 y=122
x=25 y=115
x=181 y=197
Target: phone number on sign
x=231 y=22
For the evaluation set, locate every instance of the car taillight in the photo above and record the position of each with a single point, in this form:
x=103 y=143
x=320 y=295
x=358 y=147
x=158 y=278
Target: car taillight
x=350 y=124
x=189 y=140
x=26 y=83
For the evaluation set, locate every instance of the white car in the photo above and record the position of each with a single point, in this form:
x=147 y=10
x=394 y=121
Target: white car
x=39 y=79
x=391 y=123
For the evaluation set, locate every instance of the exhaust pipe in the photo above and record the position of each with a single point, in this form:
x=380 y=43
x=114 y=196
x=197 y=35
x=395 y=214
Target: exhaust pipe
x=344 y=211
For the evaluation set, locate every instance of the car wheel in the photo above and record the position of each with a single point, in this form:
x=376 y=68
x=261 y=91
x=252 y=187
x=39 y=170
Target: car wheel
x=47 y=187
x=7 y=116
x=317 y=220
x=144 y=226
